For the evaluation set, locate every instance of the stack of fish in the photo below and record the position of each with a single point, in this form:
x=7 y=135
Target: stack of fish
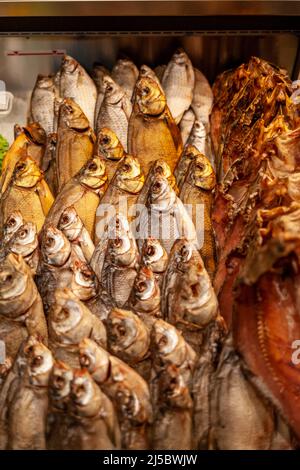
x=114 y=289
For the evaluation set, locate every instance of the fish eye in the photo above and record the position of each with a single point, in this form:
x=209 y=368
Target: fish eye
x=117 y=242
x=11 y=222
x=105 y=140
x=121 y=330
x=21 y=167
x=23 y=233
x=65 y=219
x=59 y=381
x=50 y=241
x=156 y=187
x=150 y=250
x=92 y=166
x=80 y=389
x=84 y=361
x=126 y=167
x=141 y=286
x=37 y=361
x=145 y=90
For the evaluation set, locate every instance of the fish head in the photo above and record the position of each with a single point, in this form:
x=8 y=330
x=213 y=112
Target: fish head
x=72 y=116
x=70 y=223
x=39 y=361
x=154 y=255
x=190 y=153
x=128 y=402
x=122 y=248
x=12 y=224
x=199 y=130
x=93 y=174
x=146 y=71
x=180 y=58
x=60 y=383
x=165 y=340
x=172 y=385
x=122 y=329
x=109 y=145
x=14 y=277
x=129 y=175
x=35 y=133
x=69 y=65
x=85 y=394
x=145 y=286
x=202 y=173
x=160 y=167
x=113 y=92
x=84 y=281
x=45 y=82
x=94 y=359
x=161 y=194
x=26 y=173
x=66 y=312
x=150 y=97
x=55 y=246
x=25 y=239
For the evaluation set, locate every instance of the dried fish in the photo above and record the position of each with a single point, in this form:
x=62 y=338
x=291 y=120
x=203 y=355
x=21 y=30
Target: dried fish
x=42 y=103
x=186 y=125
x=127 y=389
x=24 y=242
x=75 y=83
x=11 y=225
x=109 y=147
x=72 y=227
x=70 y=321
x=96 y=426
x=178 y=82
x=202 y=98
x=197 y=193
x=99 y=72
x=125 y=73
x=155 y=257
x=115 y=110
x=75 y=141
x=29 y=405
x=164 y=216
x=152 y=132
x=82 y=192
x=21 y=308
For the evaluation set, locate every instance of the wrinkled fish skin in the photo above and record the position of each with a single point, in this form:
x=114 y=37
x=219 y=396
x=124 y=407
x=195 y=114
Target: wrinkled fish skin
x=152 y=132
x=21 y=309
x=186 y=125
x=196 y=191
x=173 y=411
x=115 y=110
x=164 y=216
x=178 y=82
x=75 y=83
x=109 y=147
x=13 y=222
x=84 y=190
x=188 y=299
x=129 y=339
x=70 y=321
x=127 y=389
x=24 y=242
x=49 y=164
x=42 y=104
x=29 y=404
x=28 y=192
x=75 y=141
x=99 y=72
x=96 y=426
x=202 y=98
x=122 y=193
x=115 y=259
x=190 y=153
x=145 y=296
x=241 y=419
x=31 y=141
x=125 y=73
x=72 y=227
x=155 y=257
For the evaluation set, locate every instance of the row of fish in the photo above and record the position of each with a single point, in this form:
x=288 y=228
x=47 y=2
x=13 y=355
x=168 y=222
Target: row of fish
x=113 y=285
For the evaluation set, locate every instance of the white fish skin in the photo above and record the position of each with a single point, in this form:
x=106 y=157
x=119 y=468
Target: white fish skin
x=115 y=110
x=178 y=83
x=42 y=104
x=164 y=217
x=200 y=138
x=125 y=73
x=203 y=97
x=76 y=83
x=99 y=72
x=186 y=125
